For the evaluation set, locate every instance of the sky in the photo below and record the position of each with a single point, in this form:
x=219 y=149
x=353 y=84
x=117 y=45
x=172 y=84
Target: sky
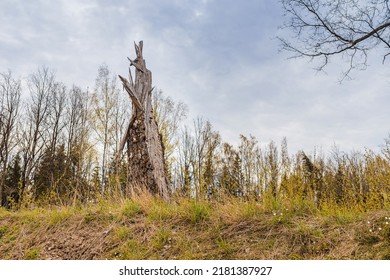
x=221 y=58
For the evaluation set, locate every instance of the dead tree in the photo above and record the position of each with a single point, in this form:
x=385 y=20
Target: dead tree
x=145 y=150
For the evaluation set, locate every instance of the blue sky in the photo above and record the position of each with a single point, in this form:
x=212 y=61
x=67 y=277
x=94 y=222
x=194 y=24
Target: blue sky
x=219 y=57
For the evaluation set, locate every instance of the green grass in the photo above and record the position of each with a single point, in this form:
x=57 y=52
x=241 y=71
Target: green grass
x=225 y=247
x=60 y=215
x=131 y=209
x=196 y=212
x=32 y=254
x=123 y=233
x=3 y=230
x=160 y=211
x=132 y=250
x=161 y=238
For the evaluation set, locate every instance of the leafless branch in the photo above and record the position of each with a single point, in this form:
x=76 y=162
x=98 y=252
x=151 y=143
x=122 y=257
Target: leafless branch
x=325 y=28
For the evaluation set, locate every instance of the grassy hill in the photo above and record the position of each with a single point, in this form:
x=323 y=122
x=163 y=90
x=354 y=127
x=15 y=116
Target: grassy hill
x=148 y=228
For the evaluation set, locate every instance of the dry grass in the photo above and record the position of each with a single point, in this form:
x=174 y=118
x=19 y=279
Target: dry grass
x=148 y=228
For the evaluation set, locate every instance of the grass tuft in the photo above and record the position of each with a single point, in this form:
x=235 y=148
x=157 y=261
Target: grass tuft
x=160 y=211
x=3 y=230
x=161 y=238
x=60 y=215
x=131 y=209
x=32 y=254
x=123 y=233
x=225 y=247
x=198 y=212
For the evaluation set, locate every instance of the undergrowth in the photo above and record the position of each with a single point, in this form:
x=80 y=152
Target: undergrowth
x=146 y=227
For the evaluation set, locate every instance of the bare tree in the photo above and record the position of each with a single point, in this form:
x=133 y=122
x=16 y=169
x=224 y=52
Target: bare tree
x=210 y=170
x=203 y=135
x=55 y=121
x=247 y=152
x=186 y=158
x=105 y=106
x=326 y=28
x=386 y=148
x=10 y=91
x=76 y=116
x=272 y=168
x=231 y=177
x=35 y=131
x=78 y=140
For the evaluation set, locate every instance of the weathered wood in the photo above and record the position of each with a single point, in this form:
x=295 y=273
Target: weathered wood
x=145 y=150
x=132 y=93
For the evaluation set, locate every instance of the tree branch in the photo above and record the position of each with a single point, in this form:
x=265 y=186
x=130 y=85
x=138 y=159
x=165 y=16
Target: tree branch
x=370 y=34
x=130 y=90
x=325 y=28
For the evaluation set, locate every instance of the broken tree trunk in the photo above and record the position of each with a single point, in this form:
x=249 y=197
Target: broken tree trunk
x=145 y=150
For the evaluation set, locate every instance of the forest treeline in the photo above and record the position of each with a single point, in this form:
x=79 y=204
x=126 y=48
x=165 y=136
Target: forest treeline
x=59 y=145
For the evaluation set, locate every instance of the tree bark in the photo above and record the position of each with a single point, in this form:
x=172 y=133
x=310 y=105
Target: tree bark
x=145 y=150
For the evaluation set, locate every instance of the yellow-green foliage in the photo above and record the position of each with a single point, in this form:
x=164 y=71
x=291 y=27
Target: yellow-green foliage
x=225 y=247
x=3 y=230
x=195 y=211
x=32 y=254
x=60 y=215
x=161 y=238
x=130 y=209
x=145 y=227
x=131 y=250
x=160 y=211
x=123 y=233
